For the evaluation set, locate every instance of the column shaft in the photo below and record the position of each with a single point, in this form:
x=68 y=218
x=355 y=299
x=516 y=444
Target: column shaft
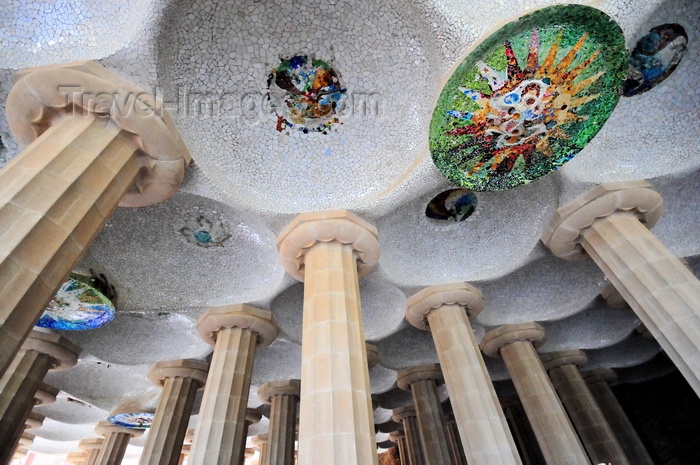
x=482 y=426
x=113 y=449
x=414 y=447
x=456 y=451
x=219 y=437
x=91 y=456
x=403 y=453
x=617 y=419
x=336 y=423
x=664 y=294
x=17 y=389
x=523 y=434
x=283 y=415
x=55 y=197
x=549 y=421
x=431 y=422
x=594 y=431
x=167 y=433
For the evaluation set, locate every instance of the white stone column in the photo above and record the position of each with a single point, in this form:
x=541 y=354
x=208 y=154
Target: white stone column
x=330 y=252
x=610 y=224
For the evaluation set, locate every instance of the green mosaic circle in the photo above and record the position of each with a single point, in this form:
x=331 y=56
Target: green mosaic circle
x=528 y=98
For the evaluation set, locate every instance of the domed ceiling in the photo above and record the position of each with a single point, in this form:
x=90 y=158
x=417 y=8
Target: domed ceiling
x=296 y=106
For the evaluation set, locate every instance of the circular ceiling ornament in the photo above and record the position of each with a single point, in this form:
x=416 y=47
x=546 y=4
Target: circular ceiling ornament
x=136 y=420
x=306 y=95
x=80 y=304
x=528 y=98
x=452 y=205
x=655 y=57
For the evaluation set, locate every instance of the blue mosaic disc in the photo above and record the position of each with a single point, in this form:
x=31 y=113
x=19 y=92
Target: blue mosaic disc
x=136 y=420
x=77 y=306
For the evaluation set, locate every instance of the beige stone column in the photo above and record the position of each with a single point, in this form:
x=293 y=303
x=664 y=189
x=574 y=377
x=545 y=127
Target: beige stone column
x=261 y=442
x=116 y=439
x=445 y=310
x=592 y=428
x=609 y=223
x=625 y=433
x=330 y=252
x=252 y=416
x=235 y=331
x=91 y=447
x=400 y=439
x=180 y=379
x=42 y=351
x=454 y=441
x=422 y=382
x=555 y=434
x=522 y=431
x=414 y=449
x=94 y=141
x=76 y=458
x=283 y=397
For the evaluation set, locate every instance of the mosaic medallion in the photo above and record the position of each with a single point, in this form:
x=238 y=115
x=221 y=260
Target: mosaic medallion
x=204 y=232
x=139 y=420
x=78 y=305
x=305 y=94
x=655 y=57
x=529 y=98
x=452 y=205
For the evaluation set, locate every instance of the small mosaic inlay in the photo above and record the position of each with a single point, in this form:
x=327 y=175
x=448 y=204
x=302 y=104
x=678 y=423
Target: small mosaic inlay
x=138 y=420
x=204 y=232
x=305 y=94
x=529 y=98
x=655 y=57
x=452 y=205
x=80 y=304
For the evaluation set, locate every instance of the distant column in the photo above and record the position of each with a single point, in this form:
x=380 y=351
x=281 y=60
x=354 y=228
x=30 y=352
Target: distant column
x=91 y=447
x=283 y=397
x=115 y=443
x=414 y=449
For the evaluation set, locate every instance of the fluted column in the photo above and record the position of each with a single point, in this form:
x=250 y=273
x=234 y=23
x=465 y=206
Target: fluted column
x=454 y=441
x=41 y=352
x=282 y=397
x=330 y=252
x=555 y=434
x=444 y=310
x=400 y=439
x=180 y=380
x=252 y=416
x=593 y=430
x=422 y=382
x=610 y=224
x=261 y=442
x=235 y=331
x=76 y=458
x=414 y=449
x=116 y=440
x=84 y=156
x=91 y=447
x=625 y=433
x=530 y=451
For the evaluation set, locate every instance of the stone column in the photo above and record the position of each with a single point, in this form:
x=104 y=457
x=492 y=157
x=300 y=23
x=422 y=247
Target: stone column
x=609 y=223
x=94 y=141
x=414 y=450
x=454 y=441
x=180 y=379
x=445 y=310
x=330 y=252
x=34 y=421
x=422 y=382
x=76 y=458
x=252 y=416
x=41 y=352
x=522 y=431
x=235 y=331
x=282 y=397
x=91 y=447
x=628 y=438
x=116 y=439
x=555 y=434
x=400 y=439
x=593 y=430
x=261 y=442
x=45 y=395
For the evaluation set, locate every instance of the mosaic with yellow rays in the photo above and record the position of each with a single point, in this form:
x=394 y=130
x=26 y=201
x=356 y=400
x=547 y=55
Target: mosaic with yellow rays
x=529 y=98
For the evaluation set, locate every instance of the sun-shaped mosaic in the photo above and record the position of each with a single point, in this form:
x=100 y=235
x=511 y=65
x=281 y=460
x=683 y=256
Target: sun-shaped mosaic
x=136 y=420
x=528 y=98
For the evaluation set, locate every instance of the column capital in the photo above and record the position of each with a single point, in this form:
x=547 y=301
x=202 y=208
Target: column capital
x=183 y=368
x=372 y=355
x=410 y=375
x=395 y=436
x=89 y=444
x=34 y=421
x=290 y=387
x=252 y=416
x=63 y=353
x=343 y=226
x=495 y=339
x=249 y=452
x=27 y=439
x=42 y=93
x=613 y=297
x=563 y=234
x=605 y=375
x=259 y=439
x=241 y=316
x=407 y=411
x=76 y=458
x=189 y=436
x=422 y=303
x=105 y=427
x=554 y=360
x=45 y=395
